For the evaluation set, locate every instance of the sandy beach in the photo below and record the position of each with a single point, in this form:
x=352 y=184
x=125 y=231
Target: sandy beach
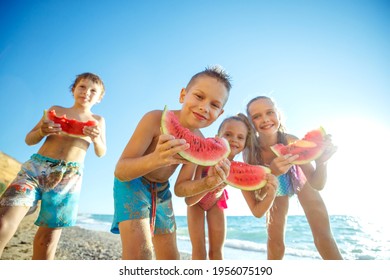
x=75 y=244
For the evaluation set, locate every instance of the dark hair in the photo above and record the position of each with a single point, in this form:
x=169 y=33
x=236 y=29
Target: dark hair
x=216 y=72
x=90 y=76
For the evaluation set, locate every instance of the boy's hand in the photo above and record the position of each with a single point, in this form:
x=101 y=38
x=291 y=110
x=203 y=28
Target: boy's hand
x=168 y=147
x=49 y=127
x=329 y=150
x=92 y=131
x=282 y=164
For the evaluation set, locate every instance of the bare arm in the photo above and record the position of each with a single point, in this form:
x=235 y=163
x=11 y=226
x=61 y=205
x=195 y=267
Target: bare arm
x=259 y=208
x=98 y=136
x=42 y=129
x=136 y=160
x=35 y=135
x=192 y=200
x=186 y=185
x=317 y=176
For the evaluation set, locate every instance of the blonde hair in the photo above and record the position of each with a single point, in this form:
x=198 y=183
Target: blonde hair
x=253 y=156
x=251 y=136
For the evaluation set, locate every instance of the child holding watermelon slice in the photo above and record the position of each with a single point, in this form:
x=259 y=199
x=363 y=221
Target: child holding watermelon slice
x=142 y=197
x=265 y=118
x=239 y=133
x=53 y=175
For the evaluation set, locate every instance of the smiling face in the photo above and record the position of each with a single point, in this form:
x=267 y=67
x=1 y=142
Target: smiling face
x=264 y=116
x=87 y=93
x=203 y=102
x=236 y=133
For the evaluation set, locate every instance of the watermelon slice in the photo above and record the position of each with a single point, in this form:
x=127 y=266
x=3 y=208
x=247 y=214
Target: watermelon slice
x=316 y=135
x=69 y=127
x=309 y=148
x=247 y=177
x=202 y=151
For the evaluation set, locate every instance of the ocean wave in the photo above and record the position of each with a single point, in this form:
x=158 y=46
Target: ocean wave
x=245 y=245
x=357 y=240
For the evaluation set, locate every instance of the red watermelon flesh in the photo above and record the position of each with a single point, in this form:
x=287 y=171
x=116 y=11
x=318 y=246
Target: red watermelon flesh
x=247 y=177
x=309 y=148
x=316 y=136
x=69 y=127
x=202 y=151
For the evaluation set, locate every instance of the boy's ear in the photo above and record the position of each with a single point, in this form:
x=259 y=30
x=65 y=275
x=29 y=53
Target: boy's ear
x=183 y=93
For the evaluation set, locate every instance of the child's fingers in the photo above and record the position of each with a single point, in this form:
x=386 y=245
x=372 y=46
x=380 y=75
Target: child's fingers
x=283 y=163
x=289 y=159
x=91 y=131
x=220 y=172
x=223 y=168
x=165 y=137
x=272 y=181
x=176 y=146
x=49 y=126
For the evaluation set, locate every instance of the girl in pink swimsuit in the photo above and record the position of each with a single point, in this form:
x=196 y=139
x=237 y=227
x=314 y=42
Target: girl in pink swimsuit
x=211 y=204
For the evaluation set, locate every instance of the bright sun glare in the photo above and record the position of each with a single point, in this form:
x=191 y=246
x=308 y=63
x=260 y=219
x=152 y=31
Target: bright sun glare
x=359 y=170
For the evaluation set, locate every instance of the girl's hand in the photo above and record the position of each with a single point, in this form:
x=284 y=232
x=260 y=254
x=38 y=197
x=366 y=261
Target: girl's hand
x=272 y=185
x=218 y=173
x=282 y=164
x=167 y=150
x=328 y=152
x=49 y=127
x=269 y=189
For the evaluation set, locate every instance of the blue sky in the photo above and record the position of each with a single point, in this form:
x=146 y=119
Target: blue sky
x=325 y=62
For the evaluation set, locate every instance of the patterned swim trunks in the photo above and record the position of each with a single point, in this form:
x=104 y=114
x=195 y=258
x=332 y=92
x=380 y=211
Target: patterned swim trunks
x=142 y=199
x=55 y=182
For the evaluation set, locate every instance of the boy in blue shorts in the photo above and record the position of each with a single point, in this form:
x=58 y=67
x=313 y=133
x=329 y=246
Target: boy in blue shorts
x=142 y=198
x=53 y=175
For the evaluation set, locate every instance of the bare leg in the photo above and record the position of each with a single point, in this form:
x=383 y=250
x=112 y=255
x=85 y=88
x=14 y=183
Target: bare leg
x=136 y=240
x=216 y=224
x=196 y=229
x=10 y=218
x=165 y=246
x=45 y=243
x=318 y=219
x=276 y=225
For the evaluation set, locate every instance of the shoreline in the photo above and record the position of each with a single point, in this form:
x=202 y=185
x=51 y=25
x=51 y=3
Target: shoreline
x=76 y=243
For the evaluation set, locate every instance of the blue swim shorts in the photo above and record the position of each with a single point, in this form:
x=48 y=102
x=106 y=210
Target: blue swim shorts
x=142 y=199
x=55 y=182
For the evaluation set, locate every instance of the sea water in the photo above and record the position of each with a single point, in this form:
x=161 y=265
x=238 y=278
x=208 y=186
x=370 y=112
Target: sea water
x=357 y=238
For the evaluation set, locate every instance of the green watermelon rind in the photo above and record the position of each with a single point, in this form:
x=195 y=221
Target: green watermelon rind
x=254 y=187
x=83 y=136
x=185 y=154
